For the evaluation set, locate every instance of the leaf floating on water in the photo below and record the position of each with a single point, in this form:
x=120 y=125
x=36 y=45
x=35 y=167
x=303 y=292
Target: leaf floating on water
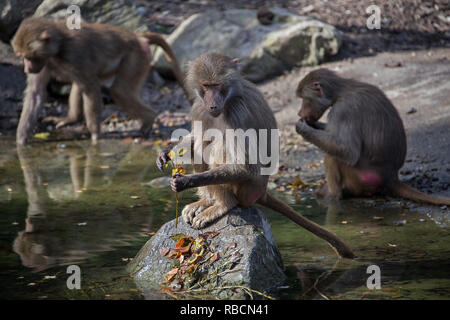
x=400 y=223
x=297 y=183
x=42 y=135
x=232 y=245
x=392 y=245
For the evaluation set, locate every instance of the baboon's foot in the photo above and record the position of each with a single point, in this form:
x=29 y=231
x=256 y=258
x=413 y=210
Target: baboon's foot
x=191 y=210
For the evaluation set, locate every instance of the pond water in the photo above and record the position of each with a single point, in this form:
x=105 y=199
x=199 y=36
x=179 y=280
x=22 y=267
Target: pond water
x=74 y=203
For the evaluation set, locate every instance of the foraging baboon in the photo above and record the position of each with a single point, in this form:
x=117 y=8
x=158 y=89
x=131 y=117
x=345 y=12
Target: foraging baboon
x=364 y=140
x=94 y=56
x=224 y=100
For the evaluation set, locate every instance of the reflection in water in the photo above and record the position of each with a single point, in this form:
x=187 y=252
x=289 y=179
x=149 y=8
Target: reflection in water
x=93 y=206
x=55 y=181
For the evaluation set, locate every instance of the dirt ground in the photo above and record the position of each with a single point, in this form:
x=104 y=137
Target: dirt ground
x=408 y=58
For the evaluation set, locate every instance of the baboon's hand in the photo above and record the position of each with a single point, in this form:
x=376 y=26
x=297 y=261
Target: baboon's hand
x=179 y=182
x=302 y=127
x=162 y=159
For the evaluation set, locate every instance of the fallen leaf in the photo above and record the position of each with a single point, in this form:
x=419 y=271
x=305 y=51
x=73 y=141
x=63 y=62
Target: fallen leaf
x=377 y=218
x=183 y=242
x=400 y=223
x=392 y=245
x=172 y=253
x=215 y=256
x=42 y=135
x=232 y=245
x=169 y=292
x=164 y=251
x=104 y=167
x=177 y=236
x=171 y=274
x=298 y=183
x=209 y=235
x=344 y=222
x=313 y=165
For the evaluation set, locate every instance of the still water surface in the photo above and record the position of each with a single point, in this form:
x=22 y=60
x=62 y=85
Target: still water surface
x=74 y=203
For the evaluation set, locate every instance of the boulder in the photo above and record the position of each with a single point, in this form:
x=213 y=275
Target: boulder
x=120 y=13
x=12 y=12
x=243 y=235
x=290 y=40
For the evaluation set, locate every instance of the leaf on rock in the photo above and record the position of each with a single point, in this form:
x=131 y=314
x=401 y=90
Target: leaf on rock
x=215 y=257
x=177 y=236
x=209 y=235
x=171 y=274
x=169 y=292
x=164 y=251
x=183 y=242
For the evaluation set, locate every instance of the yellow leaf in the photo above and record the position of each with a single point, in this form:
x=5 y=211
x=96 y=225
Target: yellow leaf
x=179 y=169
x=181 y=152
x=298 y=182
x=42 y=135
x=171 y=154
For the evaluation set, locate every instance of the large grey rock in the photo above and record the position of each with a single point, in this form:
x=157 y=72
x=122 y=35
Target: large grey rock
x=259 y=268
x=265 y=50
x=120 y=13
x=12 y=12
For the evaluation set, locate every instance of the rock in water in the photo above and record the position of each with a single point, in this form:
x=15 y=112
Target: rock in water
x=244 y=242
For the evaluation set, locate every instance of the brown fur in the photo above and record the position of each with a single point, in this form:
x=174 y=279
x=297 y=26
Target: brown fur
x=224 y=100
x=364 y=139
x=96 y=55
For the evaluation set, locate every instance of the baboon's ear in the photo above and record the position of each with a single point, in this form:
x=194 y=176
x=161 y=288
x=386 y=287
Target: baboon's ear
x=318 y=88
x=45 y=36
x=236 y=63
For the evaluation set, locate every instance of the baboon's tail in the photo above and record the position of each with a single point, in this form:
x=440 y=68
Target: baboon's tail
x=157 y=39
x=402 y=190
x=337 y=244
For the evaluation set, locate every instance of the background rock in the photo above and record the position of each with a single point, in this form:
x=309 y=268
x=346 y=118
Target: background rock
x=11 y=14
x=120 y=13
x=260 y=266
x=289 y=41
